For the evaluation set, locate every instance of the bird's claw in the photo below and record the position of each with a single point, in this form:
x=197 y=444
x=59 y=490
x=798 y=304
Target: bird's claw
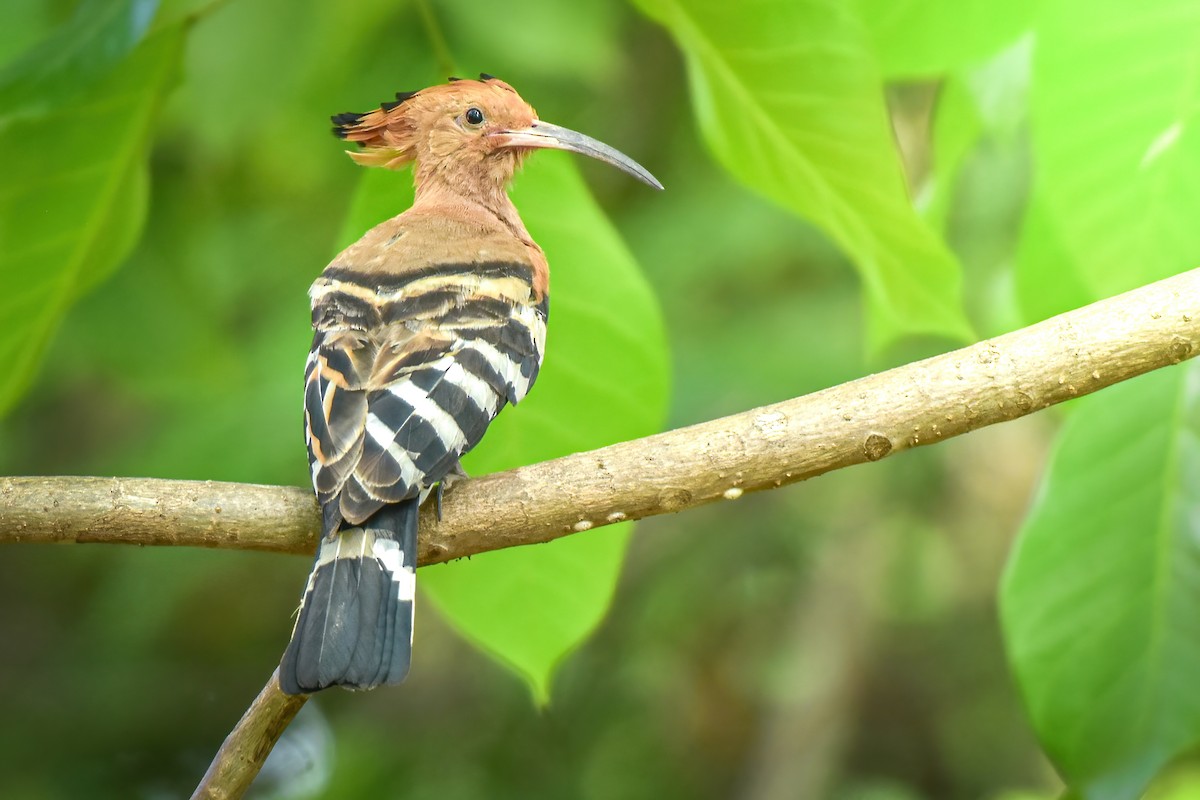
x=452 y=477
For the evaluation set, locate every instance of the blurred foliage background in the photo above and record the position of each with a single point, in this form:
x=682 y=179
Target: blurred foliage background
x=851 y=185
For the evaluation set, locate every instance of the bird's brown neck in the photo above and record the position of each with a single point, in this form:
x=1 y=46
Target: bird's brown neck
x=489 y=203
x=489 y=207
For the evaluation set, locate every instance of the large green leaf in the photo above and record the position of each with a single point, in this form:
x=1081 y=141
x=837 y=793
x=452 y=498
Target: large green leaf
x=921 y=38
x=1101 y=600
x=604 y=380
x=1101 y=596
x=790 y=100
x=1116 y=116
x=73 y=198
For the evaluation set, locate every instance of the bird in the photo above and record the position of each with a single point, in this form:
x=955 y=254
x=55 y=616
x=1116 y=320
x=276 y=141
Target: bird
x=424 y=329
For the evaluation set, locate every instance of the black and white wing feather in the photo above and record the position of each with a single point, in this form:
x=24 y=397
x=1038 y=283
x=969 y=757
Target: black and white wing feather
x=404 y=376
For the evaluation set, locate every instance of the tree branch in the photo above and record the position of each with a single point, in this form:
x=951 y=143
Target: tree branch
x=993 y=381
x=917 y=404
x=249 y=743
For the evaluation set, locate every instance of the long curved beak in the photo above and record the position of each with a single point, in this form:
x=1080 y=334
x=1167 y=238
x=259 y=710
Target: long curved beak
x=555 y=137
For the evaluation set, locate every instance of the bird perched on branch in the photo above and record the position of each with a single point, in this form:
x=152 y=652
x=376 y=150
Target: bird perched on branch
x=425 y=328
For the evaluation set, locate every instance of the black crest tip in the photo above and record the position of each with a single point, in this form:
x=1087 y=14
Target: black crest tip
x=453 y=79
x=401 y=97
x=342 y=122
x=483 y=76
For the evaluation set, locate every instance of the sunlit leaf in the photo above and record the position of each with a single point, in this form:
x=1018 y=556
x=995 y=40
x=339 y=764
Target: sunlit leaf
x=73 y=199
x=1116 y=132
x=604 y=380
x=1101 y=595
x=1178 y=783
x=982 y=106
x=790 y=100
x=1047 y=279
x=921 y=38
x=956 y=129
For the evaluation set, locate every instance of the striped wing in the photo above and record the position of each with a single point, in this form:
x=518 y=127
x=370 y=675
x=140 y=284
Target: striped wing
x=406 y=372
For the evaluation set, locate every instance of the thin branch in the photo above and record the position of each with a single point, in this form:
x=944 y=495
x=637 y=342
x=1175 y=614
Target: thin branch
x=865 y=420
x=249 y=743
x=917 y=404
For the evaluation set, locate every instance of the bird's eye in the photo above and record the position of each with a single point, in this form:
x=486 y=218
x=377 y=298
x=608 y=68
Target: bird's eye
x=474 y=116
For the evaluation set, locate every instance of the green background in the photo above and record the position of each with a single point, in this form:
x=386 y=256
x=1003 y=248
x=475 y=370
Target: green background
x=850 y=186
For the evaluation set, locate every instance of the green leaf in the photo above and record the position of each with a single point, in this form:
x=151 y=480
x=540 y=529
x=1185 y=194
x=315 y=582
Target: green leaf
x=1101 y=596
x=25 y=23
x=381 y=195
x=789 y=99
x=74 y=199
x=175 y=12
x=530 y=607
x=565 y=41
x=983 y=107
x=923 y=38
x=1100 y=600
x=957 y=127
x=604 y=380
x=1116 y=133
x=99 y=35
x=1178 y=783
x=1047 y=278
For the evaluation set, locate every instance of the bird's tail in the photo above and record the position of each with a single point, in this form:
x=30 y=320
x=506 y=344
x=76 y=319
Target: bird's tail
x=355 y=623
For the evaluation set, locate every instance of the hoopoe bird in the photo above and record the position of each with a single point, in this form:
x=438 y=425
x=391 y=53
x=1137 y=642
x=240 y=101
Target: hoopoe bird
x=425 y=329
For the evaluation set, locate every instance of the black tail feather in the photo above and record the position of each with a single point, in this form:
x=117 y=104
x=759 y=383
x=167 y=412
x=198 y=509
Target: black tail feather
x=355 y=622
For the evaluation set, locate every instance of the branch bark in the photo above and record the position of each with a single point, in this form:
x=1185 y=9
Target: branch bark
x=921 y=403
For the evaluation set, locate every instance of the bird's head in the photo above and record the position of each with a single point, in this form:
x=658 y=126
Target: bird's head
x=465 y=135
